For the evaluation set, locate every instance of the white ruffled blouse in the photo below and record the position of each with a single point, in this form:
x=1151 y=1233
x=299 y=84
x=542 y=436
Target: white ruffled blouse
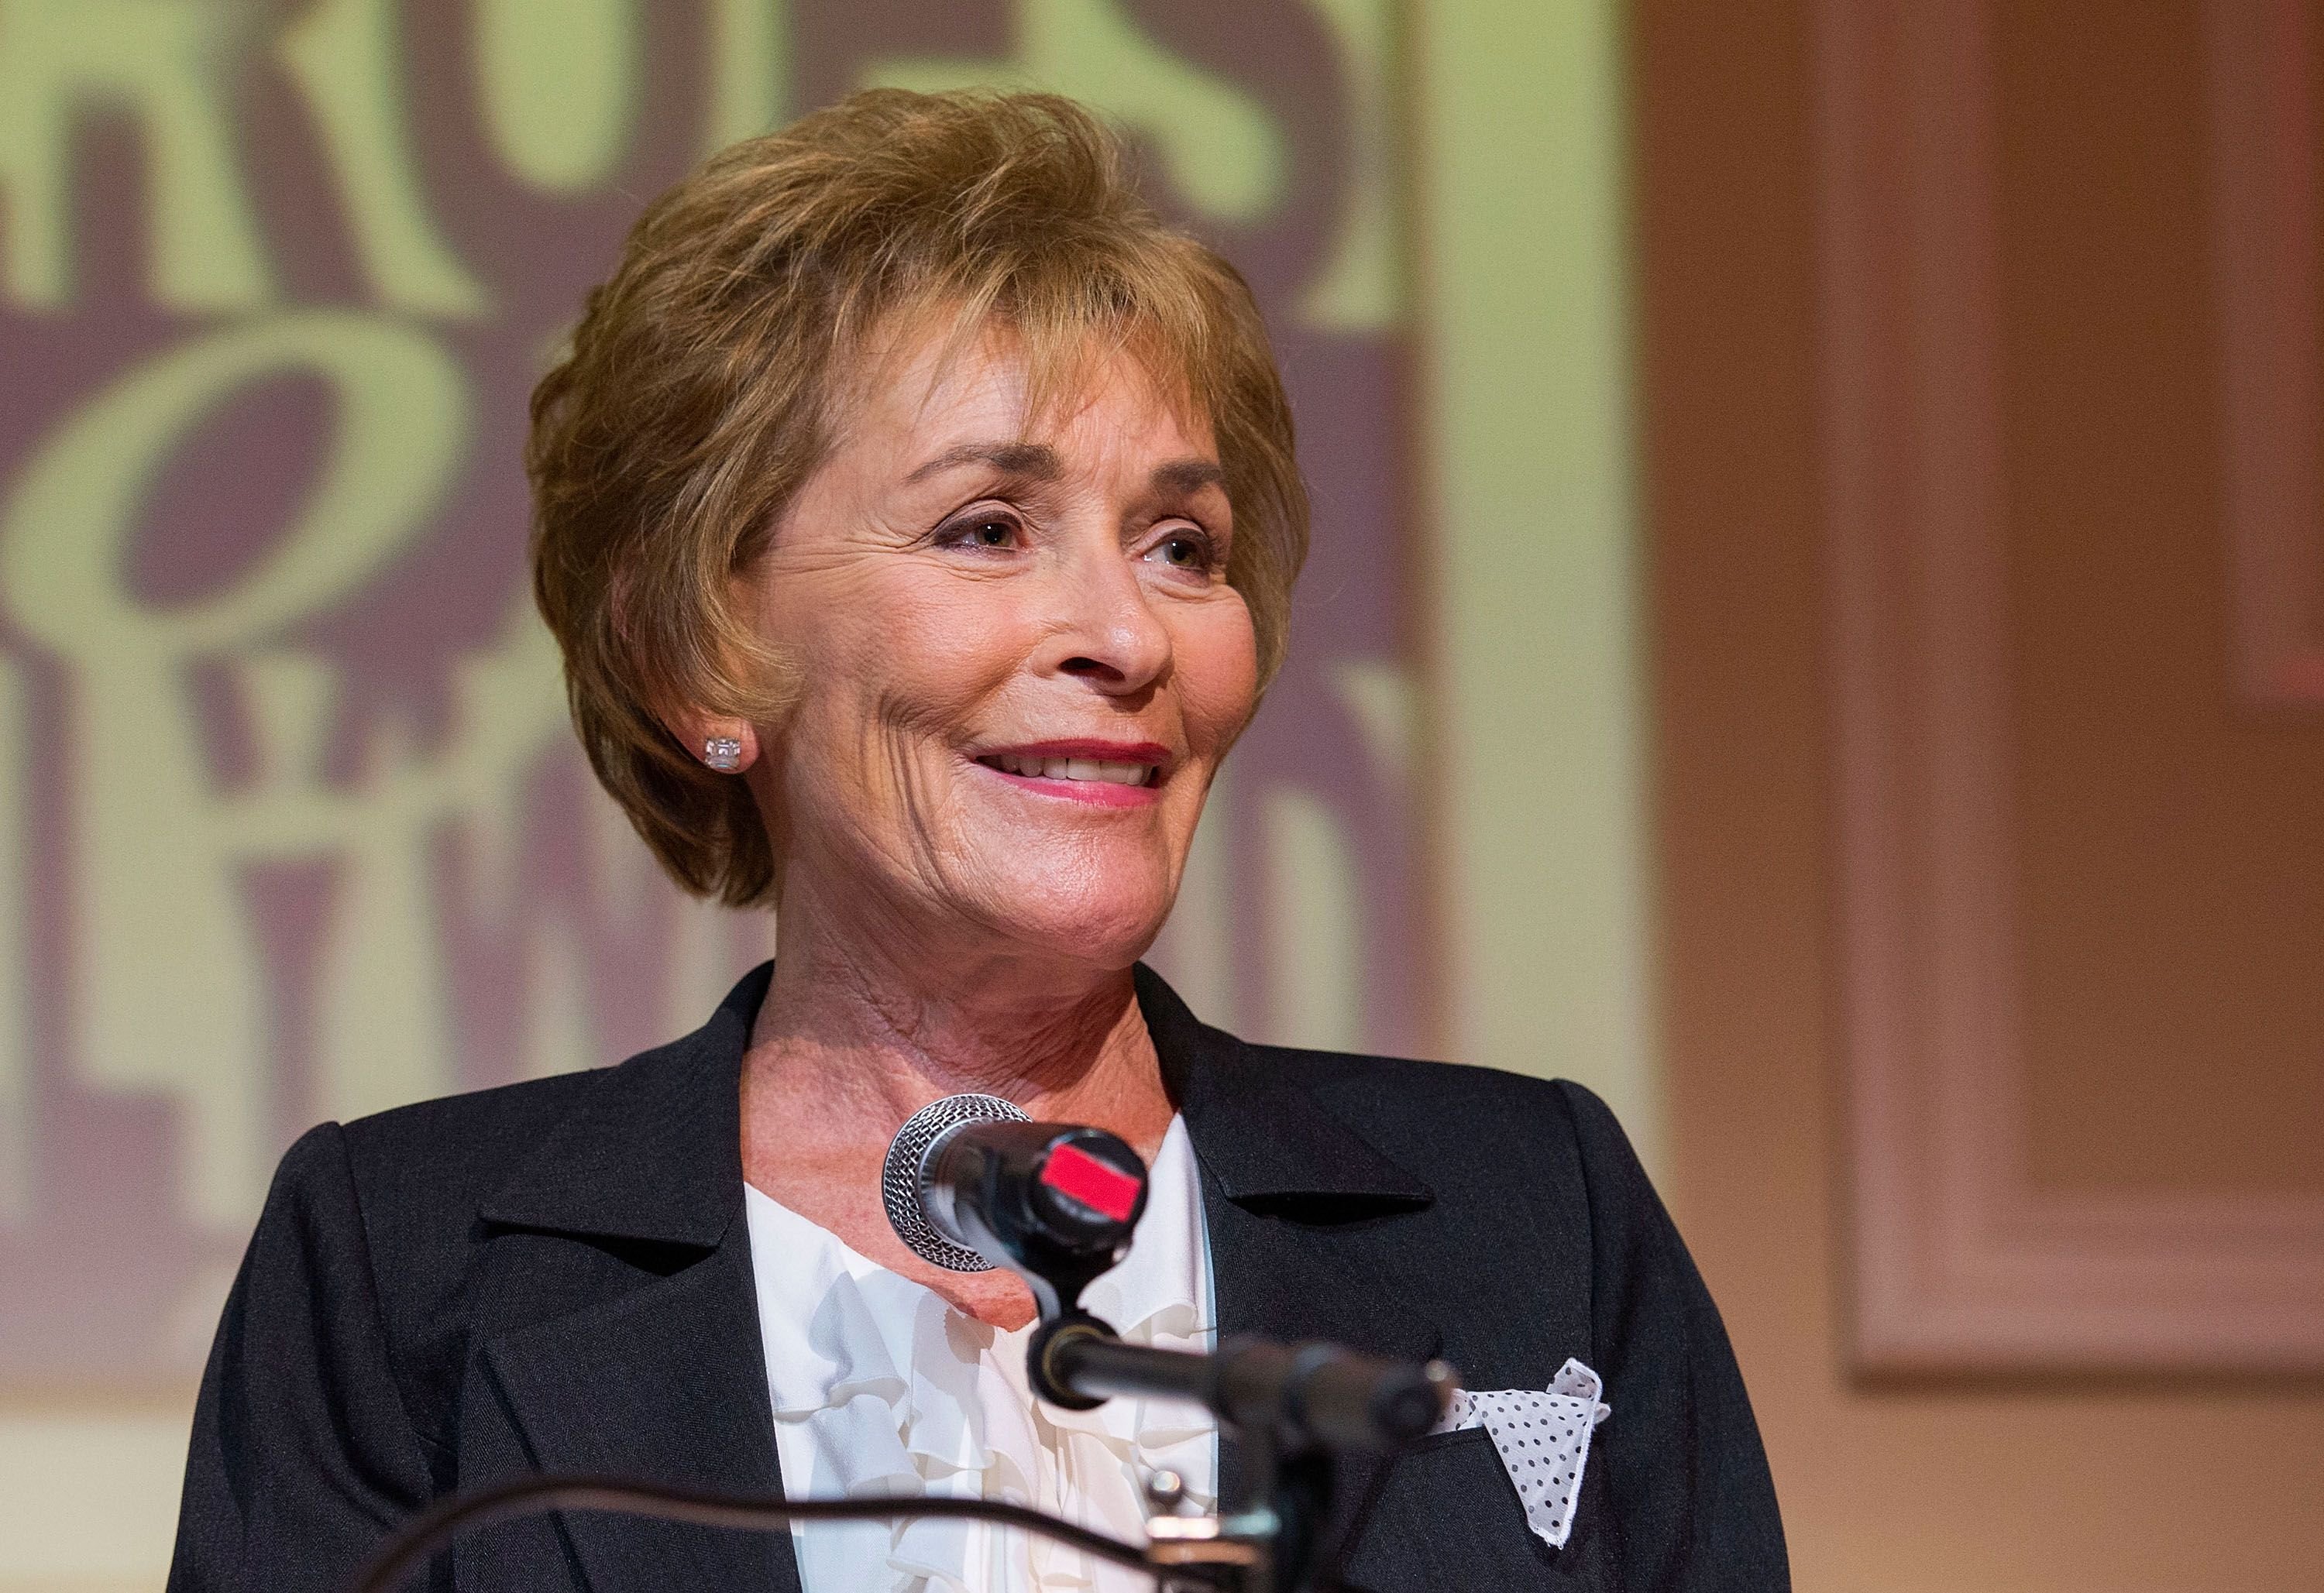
x=881 y=1387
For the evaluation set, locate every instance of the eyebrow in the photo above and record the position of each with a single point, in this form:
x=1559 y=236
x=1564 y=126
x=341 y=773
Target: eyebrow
x=1035 y=461
x=1039 y=461
x=1184 y=476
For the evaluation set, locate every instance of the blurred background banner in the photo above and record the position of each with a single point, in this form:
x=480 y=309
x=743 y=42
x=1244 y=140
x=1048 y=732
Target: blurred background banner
x=291 y=825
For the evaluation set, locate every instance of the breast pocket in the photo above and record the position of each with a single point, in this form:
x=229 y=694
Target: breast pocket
x=1447 y=1519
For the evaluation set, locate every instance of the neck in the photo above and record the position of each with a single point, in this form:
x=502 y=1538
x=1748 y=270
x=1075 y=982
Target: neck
x=865 y=1023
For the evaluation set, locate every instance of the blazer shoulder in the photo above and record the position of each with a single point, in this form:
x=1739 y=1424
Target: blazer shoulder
x=1451 y=1093
x=1457 y=1123
x=421 y=1172
x=458 y=1147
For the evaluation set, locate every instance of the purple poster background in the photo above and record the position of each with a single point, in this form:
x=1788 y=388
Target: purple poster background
x=291 y=828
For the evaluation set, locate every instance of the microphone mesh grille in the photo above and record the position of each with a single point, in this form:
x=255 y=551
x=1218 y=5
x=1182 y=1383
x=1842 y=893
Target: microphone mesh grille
x=899 y=1177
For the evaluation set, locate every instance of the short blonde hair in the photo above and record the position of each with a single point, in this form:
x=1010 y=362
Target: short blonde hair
x=701 y=384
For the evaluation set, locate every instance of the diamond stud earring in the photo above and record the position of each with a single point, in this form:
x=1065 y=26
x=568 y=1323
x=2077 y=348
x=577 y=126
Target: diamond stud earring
x=723 y=753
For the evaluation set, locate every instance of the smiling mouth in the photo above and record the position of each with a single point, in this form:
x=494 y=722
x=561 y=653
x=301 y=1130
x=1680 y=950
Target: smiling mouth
x=1092 y=771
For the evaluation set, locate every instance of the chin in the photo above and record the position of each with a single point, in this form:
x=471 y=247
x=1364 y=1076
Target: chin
x=1110 y=930
x=1097 y=900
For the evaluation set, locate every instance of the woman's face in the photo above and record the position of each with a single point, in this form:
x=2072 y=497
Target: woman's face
x=1019 y=657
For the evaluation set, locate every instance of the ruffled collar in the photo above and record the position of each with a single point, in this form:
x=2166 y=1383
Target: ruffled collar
x=881 y=1387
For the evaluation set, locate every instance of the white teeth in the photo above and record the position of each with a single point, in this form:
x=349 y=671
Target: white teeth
x=1074 y=768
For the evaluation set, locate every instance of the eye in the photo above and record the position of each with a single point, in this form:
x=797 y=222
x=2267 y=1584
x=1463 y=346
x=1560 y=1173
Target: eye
x=987 y=529
x=1187 y=549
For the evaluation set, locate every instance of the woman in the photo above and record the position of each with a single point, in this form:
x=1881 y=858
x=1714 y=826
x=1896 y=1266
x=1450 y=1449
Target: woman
x=918 y=515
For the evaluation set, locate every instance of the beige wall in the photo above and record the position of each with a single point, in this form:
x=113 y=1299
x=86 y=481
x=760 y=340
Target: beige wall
x=2045 y=1484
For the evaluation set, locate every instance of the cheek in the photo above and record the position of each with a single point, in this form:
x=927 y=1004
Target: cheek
x=1217 y=656
x=938 y=648
x=910 y=647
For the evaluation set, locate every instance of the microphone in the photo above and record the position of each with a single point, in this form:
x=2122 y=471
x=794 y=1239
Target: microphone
x=971 y=1183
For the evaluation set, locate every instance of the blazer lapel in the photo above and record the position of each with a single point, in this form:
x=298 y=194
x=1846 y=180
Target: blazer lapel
x=1305 y=1219
x=1315 y=1234
x=667 y=1384
x=635 y=1206
x=1304 y=1214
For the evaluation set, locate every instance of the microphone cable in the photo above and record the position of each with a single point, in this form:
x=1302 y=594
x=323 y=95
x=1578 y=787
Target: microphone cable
x=433 y=1528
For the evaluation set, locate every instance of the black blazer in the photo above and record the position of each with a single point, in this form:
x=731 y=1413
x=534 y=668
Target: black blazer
x=556 y=1275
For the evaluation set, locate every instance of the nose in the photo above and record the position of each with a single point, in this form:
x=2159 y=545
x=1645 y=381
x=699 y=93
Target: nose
x=1108 y=632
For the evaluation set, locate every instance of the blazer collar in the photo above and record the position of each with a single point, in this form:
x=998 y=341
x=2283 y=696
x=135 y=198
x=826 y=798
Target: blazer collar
x=654 y=1152
x=1266 y=1141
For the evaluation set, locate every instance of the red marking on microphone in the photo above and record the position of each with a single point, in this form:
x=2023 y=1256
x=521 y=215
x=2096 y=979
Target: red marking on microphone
x=1102 y=1186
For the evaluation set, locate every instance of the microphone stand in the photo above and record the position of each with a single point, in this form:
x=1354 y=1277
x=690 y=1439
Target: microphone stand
x=1295 y=1407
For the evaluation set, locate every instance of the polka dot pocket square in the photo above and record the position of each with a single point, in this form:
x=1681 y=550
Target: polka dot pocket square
x=1543 y=1440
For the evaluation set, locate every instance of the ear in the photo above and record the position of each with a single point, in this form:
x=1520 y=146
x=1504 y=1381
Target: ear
x=723 y=745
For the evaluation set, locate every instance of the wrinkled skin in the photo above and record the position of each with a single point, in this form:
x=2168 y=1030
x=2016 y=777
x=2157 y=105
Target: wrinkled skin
x=958 y=580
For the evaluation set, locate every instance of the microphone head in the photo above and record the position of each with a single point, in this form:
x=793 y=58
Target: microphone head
x=900 y=1176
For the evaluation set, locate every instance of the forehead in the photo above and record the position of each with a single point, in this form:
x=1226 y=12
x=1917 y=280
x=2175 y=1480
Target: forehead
x=931 y=384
